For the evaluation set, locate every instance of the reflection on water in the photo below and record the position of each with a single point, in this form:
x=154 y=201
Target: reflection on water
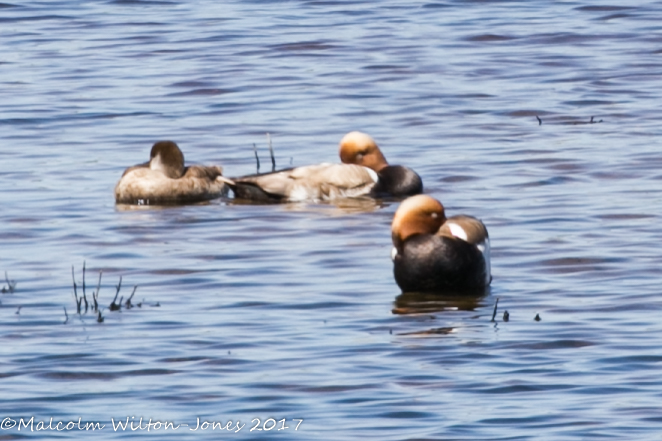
x=159 y=206
x=336 y=207
x=423 y=303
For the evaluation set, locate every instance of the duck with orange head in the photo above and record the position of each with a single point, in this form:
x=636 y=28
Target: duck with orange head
x=433 y=253
x=363 y=172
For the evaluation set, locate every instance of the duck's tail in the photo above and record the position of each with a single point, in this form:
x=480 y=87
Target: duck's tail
x=232 y=184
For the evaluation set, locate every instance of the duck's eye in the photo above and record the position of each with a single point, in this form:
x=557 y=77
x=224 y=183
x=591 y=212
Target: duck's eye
x=359 y=156
x=434 y=215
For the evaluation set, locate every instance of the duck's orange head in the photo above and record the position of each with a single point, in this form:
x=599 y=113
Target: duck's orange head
x=167 y=158
x=420 y=214
x=359 y=148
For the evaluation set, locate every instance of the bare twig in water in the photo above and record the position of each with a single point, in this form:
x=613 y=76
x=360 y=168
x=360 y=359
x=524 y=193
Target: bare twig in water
x=18 y=311
x=539 y=120
x=128 y=304
x=99 y=318
x=84 y=295
x=537 y=318
x=114 y=306
x=495 y=309
x=85 y=299
x=271 y=152
x=95 y=295
x=257 y=158
x=84 y=279
x=66 y=316
x=506 y=315
x=78 y=301
x=11 y=284
x=74 y=280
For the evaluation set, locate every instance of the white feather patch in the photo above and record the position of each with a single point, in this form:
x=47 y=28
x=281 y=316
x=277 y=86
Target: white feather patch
x=457 y=231
x=156 y=164
x=394 y=252
x=300 y=193
x=373 y=174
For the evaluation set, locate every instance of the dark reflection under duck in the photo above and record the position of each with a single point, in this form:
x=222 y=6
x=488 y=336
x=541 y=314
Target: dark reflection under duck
x=339 y=206
x=449 y=300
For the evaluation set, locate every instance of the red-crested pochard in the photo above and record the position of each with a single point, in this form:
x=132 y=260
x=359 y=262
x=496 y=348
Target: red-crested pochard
x=165 y=179
x=435 y=253
x=364 y=172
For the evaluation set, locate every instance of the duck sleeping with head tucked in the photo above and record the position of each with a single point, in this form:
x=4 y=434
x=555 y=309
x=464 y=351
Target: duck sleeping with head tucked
x=432 y=253
x=364 y=172
x=165 y=179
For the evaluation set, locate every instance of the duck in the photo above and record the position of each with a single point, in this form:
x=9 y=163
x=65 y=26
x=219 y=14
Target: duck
x=364 y=171
x=433 y=253
x=165 y=180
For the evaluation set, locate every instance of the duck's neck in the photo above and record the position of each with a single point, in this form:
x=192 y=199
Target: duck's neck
x=169 y=170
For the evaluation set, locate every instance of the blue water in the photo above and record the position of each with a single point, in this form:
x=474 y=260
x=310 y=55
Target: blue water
x=291 y=311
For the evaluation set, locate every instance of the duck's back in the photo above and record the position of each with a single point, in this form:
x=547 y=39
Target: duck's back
x=465 y=227
x=312 y=182
x=142 y=185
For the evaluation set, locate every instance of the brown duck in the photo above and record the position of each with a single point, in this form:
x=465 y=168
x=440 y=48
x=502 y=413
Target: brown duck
x=165 y=179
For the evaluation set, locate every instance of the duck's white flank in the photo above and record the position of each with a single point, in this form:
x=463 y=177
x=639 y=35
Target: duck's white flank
x=484 y=248
x=373 y=174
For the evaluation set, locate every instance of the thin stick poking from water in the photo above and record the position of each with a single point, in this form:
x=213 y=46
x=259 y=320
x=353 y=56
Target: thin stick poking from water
x=128 y=301
x=86 y=304
x=271 y=152
x=84 y=279
x=95 y=295
x=66 y=316
x=539 y=120
x=11 y=284
x=257 y=158
x=114 y=306
x=74 y=279
x=75 y=290
x=84 y=295
x=495 y=309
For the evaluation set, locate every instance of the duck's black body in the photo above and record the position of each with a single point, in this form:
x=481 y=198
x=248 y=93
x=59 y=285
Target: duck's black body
x=432 y=263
